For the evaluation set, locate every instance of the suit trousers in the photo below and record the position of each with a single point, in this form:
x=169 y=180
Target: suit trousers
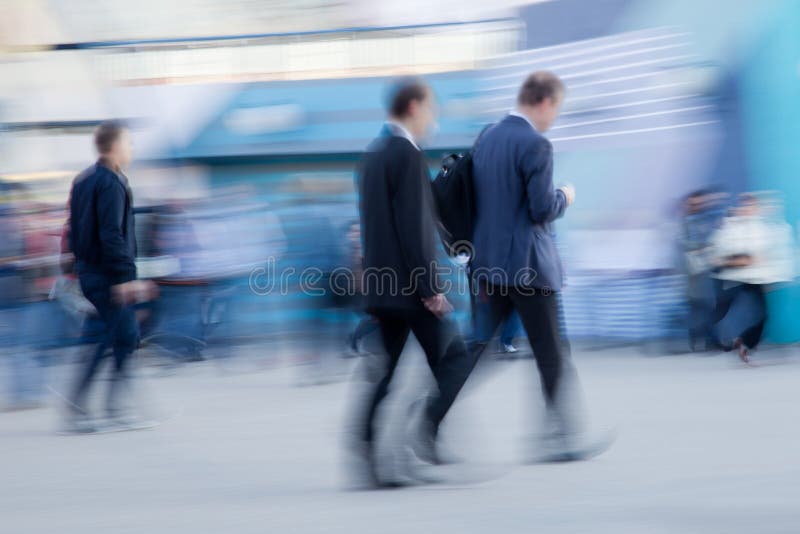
x=444 y=350
x=539 y=312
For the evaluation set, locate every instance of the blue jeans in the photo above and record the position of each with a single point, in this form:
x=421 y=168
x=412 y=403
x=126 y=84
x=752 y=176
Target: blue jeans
x=511 y=328
x=512 y=325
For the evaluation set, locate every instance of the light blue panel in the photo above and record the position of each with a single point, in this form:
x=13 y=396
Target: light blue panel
x=332 y=116
x=771 y=100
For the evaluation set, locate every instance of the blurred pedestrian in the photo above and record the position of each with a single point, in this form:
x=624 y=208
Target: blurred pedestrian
x=43 y=324
x=367 y=323
x=745 y=252
x=400 y=278
x=179 y=323
x=103 y=241
x=511 y=327
x=22 y=370
x=509 y=331
x=516 y=266
x=702 y=216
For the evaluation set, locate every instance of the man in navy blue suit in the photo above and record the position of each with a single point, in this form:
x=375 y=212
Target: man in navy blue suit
x=516 y=265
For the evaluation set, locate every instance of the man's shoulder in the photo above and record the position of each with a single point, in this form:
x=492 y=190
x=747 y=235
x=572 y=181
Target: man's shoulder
x=396 y=145
x=85 y=181
x=95 y=174
x=516 y=134
x=86 y=174
x=516 y=129
x=391 y=148
x=534 y=142
x=542 y=143
x=95 y=178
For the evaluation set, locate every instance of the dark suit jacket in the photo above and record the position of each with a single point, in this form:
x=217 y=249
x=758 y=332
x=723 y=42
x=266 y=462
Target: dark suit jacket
x=102 y=235
x=515 y=204
x=397 y=224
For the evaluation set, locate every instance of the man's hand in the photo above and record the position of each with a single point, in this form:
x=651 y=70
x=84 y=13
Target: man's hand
x=569 y=193
x=438 y=305
x=133 y=292
x=739 y=260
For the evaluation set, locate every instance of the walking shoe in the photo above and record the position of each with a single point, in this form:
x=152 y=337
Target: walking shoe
x=78 y=424
x=423 y=442
x=556 y=449
x=365 y=471
x=742 y=350
x=352 y=348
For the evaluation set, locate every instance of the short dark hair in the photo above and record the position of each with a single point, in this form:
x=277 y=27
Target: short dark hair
x=405 y=91
x=538 y=87
x=747 y=198
x=107 y=134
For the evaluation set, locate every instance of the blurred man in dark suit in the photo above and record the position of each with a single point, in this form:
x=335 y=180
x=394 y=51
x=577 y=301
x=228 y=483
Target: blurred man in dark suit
x=400 y=272
x=516 y=265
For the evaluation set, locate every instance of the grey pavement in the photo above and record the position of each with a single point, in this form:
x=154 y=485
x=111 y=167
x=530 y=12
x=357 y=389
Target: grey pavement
x=705 y=445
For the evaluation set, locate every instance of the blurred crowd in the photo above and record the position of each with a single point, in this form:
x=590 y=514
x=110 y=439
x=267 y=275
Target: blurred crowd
x=228 y=271
x=735 y=250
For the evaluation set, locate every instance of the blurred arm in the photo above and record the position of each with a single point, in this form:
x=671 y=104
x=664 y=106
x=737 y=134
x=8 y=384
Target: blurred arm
x=409 y=205
x=110 y=215
x=545 y=204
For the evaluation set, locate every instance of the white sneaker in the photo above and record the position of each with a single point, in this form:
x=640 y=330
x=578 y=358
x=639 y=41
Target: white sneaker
x=510 y=349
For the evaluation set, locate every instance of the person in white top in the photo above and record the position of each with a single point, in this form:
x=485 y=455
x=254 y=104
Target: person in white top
x=746 y=255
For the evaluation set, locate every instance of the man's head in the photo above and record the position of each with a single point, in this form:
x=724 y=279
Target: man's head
x=411 y=103
x=540 y=99
x=113 y=143
x=747 y=205
x=696 y=201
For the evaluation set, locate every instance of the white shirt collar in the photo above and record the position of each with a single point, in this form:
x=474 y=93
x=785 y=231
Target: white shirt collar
x=516 y=113
x=403 y=132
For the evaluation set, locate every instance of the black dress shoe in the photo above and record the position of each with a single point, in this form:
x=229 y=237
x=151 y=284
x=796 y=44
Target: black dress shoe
x=423 y=434
x=423 y=444
x=366 y=472
x=423 y=440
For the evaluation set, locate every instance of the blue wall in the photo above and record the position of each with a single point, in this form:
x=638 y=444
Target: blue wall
x=770 y=77
x=327 y=117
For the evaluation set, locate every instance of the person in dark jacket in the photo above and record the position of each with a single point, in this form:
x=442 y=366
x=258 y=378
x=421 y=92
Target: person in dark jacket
x=516 y=265
x=103 y=241
x=399 y=282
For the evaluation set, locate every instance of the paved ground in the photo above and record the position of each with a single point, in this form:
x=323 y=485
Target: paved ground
x=704 y=446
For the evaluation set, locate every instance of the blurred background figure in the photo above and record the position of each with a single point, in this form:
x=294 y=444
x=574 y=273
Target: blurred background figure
x=24 y=372
x=323 y=249
x=749 y=254
x=44 y=326
x=366 y=324
x=12 y=249
x=703 y=212
x=32 y=325
x=511 y=328
x=178 y=323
